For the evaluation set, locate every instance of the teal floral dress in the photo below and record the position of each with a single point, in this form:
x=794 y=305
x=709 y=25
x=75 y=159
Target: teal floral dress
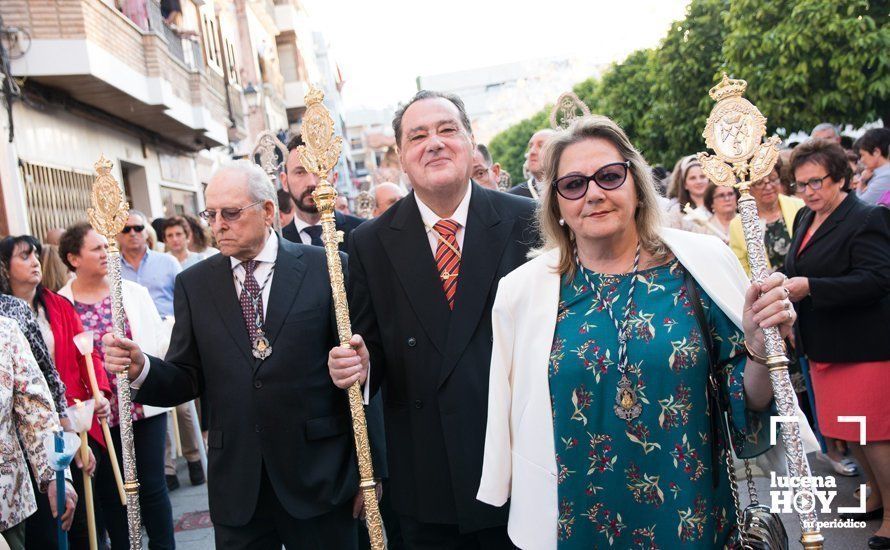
x=644 y=483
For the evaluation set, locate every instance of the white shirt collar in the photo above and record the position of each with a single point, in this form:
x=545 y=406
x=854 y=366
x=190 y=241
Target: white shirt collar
x=430 y=218
x=268 y=254
x=301 y=224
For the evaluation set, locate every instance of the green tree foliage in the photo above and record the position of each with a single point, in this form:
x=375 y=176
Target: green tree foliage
x=625 y=96
x=811 y=61
x=806 y=61
x=509 y=146
x=686 y=65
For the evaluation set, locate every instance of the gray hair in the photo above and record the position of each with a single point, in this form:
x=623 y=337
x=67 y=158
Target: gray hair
x=429 y=94
x=825 y=126
x=259 y=186
x=648 y=214
x=134 y=212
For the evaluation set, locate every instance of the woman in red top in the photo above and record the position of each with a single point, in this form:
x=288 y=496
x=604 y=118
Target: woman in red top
x=839 y=264
x=59 y=324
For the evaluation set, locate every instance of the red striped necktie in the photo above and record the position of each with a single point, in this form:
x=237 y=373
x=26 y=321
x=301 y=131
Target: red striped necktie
x=448 y=257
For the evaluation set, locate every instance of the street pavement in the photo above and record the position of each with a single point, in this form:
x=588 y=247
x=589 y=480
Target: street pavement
x=191 y=520
x=194 y=530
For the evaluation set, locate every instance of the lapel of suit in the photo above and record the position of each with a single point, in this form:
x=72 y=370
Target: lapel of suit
x=225 y=299
x=407 y=246
x=286 y=282
x=485 y=237
x=831 y=222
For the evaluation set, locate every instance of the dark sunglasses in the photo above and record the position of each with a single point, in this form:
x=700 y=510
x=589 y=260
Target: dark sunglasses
x=136 y=228
x=609 y=177
x=228 y=214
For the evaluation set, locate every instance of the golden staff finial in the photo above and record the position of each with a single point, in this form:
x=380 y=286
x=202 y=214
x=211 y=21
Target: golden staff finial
x=108 y=216
x=320 y=155
x=735 y=131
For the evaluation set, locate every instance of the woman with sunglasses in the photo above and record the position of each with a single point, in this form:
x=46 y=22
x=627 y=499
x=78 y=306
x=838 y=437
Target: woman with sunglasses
x=85 y=252
x=58 y=324
x=777 y=213
x=607 y=440
x=839 y=269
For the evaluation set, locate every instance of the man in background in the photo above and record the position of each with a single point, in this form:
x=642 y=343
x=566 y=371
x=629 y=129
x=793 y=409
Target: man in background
x=386 y=194
x=486 y=172
x=535 y=144
x=300 y=183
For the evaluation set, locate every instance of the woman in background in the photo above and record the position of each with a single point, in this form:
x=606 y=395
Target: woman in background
x=59 y=324
x=839 y=269
x=85 y=252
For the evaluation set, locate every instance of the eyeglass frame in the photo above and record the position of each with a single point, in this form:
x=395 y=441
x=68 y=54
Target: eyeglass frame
x=592 y=177
x=814 y=183
x=234 y=214
x=760 y=184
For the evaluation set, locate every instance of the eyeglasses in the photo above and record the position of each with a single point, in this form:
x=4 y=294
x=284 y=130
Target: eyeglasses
x=136 y=228
x=724 y=196
x=228 y=214
x=814 y=183
x=609 y=177
x=762 y=183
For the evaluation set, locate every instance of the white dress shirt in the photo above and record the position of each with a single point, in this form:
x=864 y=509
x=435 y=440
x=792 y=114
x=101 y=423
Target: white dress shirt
x=430 y=219
x=301 y=225
x=266 y=257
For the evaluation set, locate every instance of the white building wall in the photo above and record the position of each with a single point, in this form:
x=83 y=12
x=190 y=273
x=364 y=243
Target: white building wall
x=59 y=139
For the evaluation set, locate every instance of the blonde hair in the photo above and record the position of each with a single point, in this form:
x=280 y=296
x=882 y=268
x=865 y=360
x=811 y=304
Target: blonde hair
x=677 y=186
x=55 y=273
x=648 y=214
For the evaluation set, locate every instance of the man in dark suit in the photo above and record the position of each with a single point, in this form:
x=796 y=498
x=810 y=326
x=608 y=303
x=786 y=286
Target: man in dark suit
x=300 y=183
x=533 y=158
x=253 y=328
x=423 y=278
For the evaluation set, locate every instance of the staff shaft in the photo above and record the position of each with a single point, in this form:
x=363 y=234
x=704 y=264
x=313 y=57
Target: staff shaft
x=131 y=483
x=331 y=239
x=786 y=398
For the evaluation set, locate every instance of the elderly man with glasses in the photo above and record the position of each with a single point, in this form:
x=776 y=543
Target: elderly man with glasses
x=254 y=325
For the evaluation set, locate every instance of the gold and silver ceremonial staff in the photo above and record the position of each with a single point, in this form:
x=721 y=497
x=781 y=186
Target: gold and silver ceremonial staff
x=108 y=216
x=735 y=131
x=319 y=156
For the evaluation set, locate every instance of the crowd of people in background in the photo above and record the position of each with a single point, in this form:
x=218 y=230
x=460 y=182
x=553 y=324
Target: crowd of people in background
x=825 y=228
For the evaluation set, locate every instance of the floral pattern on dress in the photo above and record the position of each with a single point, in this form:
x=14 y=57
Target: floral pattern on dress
x=27 y=414
x=97 y=318
x=778 y=241
x=646 y=483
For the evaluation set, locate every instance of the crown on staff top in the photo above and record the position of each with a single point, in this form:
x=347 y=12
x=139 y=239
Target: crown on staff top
x=728 y=87
x=103 y=166
x=314 y=96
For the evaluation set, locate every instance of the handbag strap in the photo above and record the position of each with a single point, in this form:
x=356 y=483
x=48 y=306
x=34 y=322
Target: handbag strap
x=719 y=410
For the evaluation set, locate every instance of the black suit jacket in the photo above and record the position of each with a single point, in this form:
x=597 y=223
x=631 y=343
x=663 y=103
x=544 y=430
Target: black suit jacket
x=282 y=413
x=344 y=223
x=522 y=190
x=847 y=261
x=432 y=362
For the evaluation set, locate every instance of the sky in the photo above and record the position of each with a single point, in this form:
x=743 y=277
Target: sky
x=382 y=46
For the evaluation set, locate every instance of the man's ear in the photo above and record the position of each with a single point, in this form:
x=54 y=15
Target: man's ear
x=496 y=169
x=332 y=178
x=282 y=178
